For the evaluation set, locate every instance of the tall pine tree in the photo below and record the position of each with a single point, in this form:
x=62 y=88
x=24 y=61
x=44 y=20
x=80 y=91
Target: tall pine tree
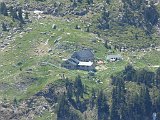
x=103 y=107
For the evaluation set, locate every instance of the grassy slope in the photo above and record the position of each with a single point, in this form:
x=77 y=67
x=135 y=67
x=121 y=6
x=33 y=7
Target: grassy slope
x=121 y=35
x=22 y=50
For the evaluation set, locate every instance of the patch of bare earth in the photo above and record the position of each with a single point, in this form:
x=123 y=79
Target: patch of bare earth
x=41 y=49
x=101 y=67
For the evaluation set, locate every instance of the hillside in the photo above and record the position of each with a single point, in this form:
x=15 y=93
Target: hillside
x=33 y=84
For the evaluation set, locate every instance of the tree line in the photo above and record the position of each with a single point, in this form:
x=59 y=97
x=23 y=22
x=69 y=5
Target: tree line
x=74 y=99
x=124 y=105
x=139 y=106
x=141 y=76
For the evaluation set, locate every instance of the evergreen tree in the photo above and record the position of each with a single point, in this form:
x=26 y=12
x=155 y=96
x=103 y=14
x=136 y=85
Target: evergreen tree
x=103 y=107
x=15 y=102
x=87 y=29
x=4 y=26
x=63 y=110
x=26 y=15
x=15 y=16
x=157 y=104
x=129 y=73
x=90 y=2
x=69 y=88
x=11 y=12
x=107 y=45
x=115 y=106
x=74 y=4
x=79 y=88
x=20 y=25
x=146 y=77
x=80 y=1
x=148 y=104
x=157 y=77
x=20 y=17
x=77 y=27
x=118 y=99
x=126 y=114
x=138 y=107
x=142 y=105
x=114 y=113
x=108 y=1
x=151 y=14
x=3 y=9
x=92 y=99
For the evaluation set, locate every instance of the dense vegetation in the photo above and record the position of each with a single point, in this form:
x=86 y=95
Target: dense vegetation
x=125 y=105
x=138 y=106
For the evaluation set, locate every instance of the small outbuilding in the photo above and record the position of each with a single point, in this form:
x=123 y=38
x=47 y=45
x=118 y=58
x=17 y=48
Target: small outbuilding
x=113 y=58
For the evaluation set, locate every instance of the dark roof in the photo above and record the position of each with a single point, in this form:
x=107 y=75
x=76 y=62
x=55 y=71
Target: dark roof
x=83 y=53
x=71 y=62
x=74 y=60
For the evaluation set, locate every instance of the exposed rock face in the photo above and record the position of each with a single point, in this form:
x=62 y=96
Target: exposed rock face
x=5 y=111
x=45 y=100
x=26 y=109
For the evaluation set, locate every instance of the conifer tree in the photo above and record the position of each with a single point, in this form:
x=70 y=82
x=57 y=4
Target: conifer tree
x=69 y=88
x=92 y=99
x=79 y=88
x=90 y=2
x=26 y=15
x=129 y=73
x=4 y=26
x=157 y=77
x=3 y=9
x=115 y=107
x=103 y=107
x=11 y=12
x=148 y=103
x=63 y=110
x=20 y=17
